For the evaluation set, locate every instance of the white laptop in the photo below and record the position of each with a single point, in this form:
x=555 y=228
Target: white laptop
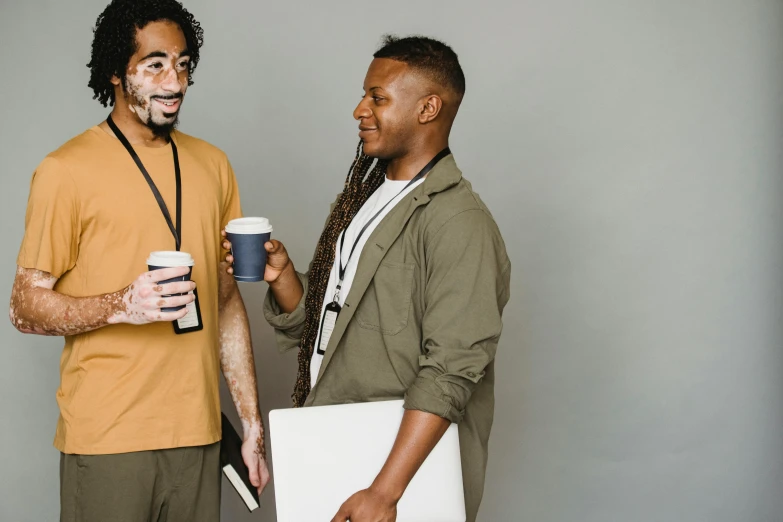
x=324 y=454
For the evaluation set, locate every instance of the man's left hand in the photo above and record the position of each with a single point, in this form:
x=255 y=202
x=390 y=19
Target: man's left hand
x=367 y=506
x=255 y=459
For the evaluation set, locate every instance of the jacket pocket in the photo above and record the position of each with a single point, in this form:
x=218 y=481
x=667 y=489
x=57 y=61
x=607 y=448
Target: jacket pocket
x=386 y=304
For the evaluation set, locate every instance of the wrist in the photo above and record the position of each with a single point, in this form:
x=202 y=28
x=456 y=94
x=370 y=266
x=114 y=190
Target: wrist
x=284 y=275
x=254 y=436
x=389 y=492
x=116 y=308
x=252 y=429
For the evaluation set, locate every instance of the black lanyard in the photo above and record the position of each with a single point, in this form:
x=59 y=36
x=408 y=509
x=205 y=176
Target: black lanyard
x=176 y=231
x=428 y=167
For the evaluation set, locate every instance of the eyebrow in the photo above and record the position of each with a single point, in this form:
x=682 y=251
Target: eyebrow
x=162 y=54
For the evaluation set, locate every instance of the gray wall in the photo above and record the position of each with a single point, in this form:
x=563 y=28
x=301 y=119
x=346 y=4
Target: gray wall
x=631 y=153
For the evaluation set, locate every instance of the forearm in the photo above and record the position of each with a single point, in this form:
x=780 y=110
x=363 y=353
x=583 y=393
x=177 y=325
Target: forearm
x=238 y=365
x=287 y=289
x=419 y=433
x=43 y=311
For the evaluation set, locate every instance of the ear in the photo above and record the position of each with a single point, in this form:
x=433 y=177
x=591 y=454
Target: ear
x=429 y=108
x=119 y=88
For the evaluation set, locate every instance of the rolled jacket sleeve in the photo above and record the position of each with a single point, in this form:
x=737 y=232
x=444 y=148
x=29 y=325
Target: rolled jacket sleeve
x=467 y=286
x=288 y=327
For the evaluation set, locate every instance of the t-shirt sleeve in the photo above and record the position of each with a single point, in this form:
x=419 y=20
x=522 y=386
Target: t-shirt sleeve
x=232 y=207
x=52 y=221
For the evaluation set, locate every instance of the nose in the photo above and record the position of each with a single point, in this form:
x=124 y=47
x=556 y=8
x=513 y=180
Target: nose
x=171 y=82
x=362 y=110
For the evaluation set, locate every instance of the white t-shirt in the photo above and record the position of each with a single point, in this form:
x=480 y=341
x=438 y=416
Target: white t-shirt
x=388 y=191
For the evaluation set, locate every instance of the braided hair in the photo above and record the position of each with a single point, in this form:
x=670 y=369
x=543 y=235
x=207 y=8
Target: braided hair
x=359 y=186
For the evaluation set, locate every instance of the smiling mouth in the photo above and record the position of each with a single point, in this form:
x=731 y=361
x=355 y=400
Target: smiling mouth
x=169 y=105
x=366 y=131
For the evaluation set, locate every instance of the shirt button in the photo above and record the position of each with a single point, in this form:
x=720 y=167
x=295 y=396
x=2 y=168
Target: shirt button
x=471 y=374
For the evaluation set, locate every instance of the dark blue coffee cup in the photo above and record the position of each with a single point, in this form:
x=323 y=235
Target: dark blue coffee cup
x=247 y=237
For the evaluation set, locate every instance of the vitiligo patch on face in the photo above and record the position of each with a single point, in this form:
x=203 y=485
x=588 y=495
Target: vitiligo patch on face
x=137 y=87
x=141 y=86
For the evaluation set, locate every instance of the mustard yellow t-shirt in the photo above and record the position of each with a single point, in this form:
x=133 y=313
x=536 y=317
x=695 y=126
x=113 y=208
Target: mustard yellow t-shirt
x=92 y=221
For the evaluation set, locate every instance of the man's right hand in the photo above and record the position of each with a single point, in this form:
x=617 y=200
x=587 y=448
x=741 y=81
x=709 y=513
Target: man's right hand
x=279 y=273
x=142 y=300
x=276 y=258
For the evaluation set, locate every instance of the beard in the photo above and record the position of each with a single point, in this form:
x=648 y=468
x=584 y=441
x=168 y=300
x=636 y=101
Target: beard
x=142 y=106
x=162 y=130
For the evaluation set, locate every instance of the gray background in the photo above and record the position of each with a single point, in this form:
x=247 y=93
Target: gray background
x=631 y=154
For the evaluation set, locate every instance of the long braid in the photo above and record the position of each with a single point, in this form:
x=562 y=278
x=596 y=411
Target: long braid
x=359 y=186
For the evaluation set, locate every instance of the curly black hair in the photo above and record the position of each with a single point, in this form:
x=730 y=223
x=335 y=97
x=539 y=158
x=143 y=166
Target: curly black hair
x=433 y=57
x=114 y=40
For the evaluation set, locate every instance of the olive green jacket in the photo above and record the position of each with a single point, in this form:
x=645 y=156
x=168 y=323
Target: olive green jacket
x=423 y=316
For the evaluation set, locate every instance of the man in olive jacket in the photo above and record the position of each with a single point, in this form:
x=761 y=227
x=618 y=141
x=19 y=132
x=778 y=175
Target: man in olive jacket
x=412 y=274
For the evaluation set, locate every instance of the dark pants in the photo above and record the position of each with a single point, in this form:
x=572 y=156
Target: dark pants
x=171 y=485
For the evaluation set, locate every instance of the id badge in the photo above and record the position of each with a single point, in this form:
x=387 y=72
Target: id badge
x=192 y=320
x=331 y=311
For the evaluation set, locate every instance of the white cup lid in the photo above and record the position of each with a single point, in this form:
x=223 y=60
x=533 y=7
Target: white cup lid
x=170 y=258
x=249 y=225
